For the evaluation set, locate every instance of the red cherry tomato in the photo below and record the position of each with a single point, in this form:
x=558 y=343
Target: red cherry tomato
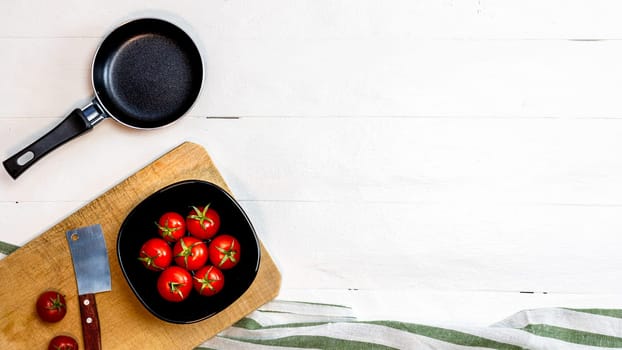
x=190 y=253
x=63 y=342
x=224 y=251
x=171 y=226
x=209 y=280
x=175 y=284
x=203 y=222
x=51 y=306
x=156 y=254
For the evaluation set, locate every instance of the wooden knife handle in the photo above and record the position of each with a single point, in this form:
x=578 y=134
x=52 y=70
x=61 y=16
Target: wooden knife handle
x=90 y=322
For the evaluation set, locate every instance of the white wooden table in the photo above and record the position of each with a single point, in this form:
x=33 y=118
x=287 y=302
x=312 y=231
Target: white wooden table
x=427 y=161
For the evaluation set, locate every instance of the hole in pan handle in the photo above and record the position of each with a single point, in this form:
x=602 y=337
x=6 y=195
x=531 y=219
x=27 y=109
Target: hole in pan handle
x=76 y=123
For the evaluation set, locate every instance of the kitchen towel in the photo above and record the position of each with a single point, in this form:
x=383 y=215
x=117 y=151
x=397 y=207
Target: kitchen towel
x=299 y=325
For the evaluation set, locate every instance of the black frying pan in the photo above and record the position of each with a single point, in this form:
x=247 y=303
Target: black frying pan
x=146 y=74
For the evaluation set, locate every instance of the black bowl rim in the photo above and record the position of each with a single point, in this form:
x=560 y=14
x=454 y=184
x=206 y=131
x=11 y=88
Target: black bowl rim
x=166 y=188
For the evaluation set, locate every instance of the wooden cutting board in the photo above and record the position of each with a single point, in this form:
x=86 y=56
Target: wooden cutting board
x=45 y=263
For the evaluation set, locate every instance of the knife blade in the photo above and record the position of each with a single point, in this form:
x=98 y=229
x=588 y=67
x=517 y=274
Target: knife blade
x=92 y=270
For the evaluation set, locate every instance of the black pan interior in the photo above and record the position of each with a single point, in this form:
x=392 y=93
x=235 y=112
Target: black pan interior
x=147 y=73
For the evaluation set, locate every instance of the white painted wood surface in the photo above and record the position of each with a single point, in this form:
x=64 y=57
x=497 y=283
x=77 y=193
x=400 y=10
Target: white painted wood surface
x=424 y=161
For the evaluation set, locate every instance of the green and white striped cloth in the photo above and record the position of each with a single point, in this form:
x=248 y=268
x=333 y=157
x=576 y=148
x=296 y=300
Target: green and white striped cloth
x=281 y=325
x=294 y=325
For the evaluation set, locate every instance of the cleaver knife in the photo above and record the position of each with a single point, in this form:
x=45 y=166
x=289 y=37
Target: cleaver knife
x=90 y=264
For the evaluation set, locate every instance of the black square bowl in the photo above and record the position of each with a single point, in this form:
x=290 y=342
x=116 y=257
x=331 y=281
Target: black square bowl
x=179 y=197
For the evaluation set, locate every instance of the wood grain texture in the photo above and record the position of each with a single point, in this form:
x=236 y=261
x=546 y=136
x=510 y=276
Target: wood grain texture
x=45 y=263
x=468 y=19
x=481 y=136
x=535 y=196
x=378 y=77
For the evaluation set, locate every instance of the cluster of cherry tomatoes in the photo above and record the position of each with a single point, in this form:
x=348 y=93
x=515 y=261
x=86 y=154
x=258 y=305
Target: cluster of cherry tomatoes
x=190 y=253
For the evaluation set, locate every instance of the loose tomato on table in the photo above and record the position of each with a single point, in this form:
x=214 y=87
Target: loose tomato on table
x=156 y=254
x=63 y=342
x=51 y=306
x=171 y=226
x=203 y=222
x=224 y=251
x=175 y=284
x=209 y=280
x=190 y=253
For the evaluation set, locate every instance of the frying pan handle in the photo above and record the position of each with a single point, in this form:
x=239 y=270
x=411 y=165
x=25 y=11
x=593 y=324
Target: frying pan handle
x=76 y=123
